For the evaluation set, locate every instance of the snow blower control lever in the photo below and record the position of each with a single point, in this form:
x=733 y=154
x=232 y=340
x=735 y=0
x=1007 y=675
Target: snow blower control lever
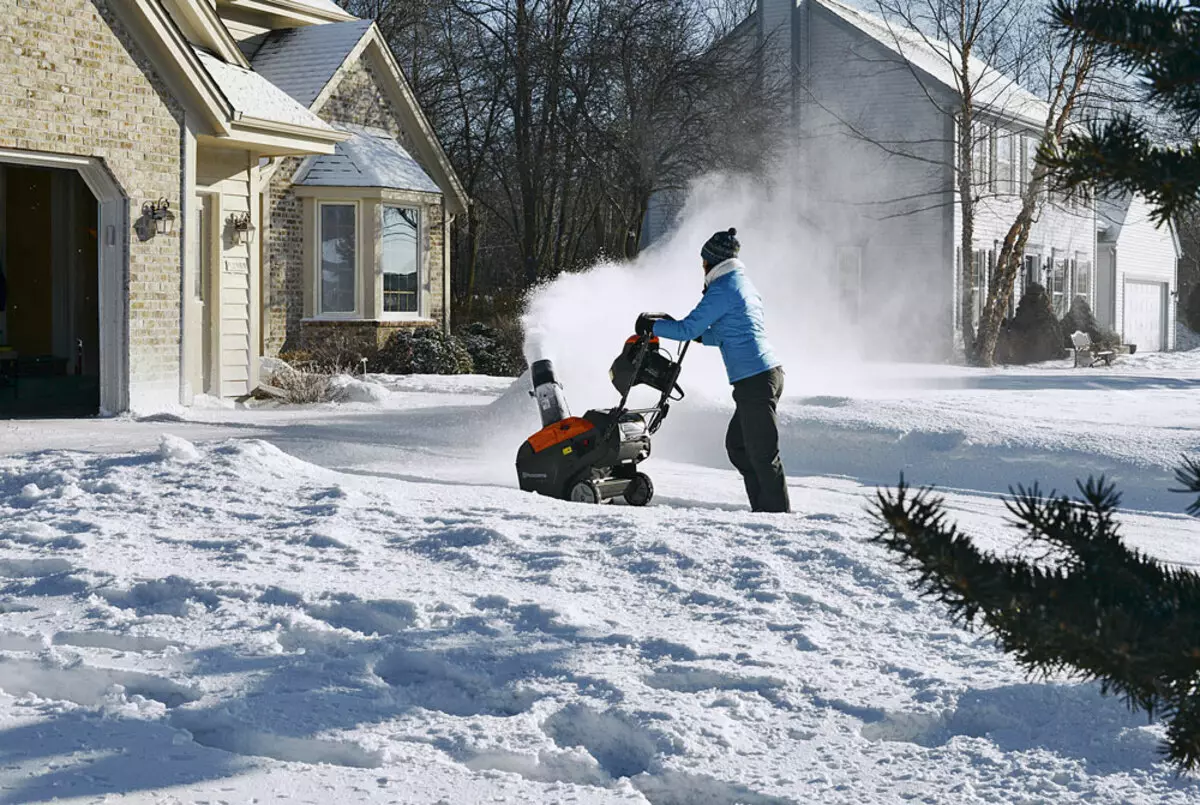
x=594 y=458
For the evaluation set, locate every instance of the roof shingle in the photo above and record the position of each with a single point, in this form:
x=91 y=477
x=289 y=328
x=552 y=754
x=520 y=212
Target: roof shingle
x=301 y=61
x=370 y=158
x=255 y=96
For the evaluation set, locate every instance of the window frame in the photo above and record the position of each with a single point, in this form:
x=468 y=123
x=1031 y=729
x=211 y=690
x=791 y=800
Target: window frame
x=318 y=307
x=1083 y=271
x=1007 y=144
x=421 y=313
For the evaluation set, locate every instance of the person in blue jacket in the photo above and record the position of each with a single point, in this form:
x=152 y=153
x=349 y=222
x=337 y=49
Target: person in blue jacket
x=730 y=316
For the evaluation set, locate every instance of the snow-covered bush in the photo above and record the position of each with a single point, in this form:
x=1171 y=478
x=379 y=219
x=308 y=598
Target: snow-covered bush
x=1080 y=318
x=423 y=351
x=494 y=350
x=306 y=388
x=1034 y=334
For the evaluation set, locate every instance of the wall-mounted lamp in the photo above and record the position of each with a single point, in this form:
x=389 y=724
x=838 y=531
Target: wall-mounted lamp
x=157 y=219
x=241 y=228
x=160 y=212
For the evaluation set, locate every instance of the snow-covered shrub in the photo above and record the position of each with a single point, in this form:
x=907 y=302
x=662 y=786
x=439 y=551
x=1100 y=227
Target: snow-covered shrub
x=423 y=351
x=494 y=350
x=304 y=387
x=1080 y=317
x=1034 y=334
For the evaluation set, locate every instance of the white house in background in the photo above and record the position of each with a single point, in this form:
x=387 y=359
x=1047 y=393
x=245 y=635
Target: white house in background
x=876 y=164
x=1136 y=280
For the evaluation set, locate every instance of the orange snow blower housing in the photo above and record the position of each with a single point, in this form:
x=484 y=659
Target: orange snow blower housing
x=594 y=458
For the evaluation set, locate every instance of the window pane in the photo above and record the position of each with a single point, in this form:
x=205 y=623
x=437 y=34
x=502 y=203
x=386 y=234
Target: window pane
x=1004 y=162
x=338 y=258
x=400 y=260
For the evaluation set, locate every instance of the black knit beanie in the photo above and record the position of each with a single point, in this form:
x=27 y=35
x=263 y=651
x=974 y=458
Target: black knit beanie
x=720 y=247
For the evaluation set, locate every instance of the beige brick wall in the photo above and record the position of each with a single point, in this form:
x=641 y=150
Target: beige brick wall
x=73 y=81
x=357 y=99
x=284 y=269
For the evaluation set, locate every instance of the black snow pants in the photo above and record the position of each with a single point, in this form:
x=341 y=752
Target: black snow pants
x=752 y=440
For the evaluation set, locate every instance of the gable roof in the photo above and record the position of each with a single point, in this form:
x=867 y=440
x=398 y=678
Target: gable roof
x=302 y=61
x=369 y=158
x=253 y=96
x=1111 y=212
x=299 y=60
x=993 y=90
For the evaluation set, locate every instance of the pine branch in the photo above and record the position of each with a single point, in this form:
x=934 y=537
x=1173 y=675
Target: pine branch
x=1121 y=156
x=1189 y=476
x=1092 y=607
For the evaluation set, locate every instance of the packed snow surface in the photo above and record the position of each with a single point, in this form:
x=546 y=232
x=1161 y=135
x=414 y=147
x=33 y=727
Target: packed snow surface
x=354 y=603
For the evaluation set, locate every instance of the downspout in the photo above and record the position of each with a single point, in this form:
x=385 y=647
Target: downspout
x=447 y=220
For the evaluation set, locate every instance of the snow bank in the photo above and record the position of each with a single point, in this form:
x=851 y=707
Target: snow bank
x=246 y=623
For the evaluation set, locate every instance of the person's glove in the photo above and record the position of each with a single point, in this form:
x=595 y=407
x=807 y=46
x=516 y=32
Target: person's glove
x=645 y=322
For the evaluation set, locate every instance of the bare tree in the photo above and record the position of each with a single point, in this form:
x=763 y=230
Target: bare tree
x=1070 y=72
x=563 y=118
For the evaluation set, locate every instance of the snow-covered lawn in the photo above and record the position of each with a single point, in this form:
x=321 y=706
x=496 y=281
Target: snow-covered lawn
x=355 y=604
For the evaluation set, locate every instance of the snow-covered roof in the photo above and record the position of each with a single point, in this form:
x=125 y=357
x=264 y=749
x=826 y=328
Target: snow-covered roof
x=1111 y=212
x=992 y=90
x=254 y=96
x=301 y=61
x=325 y=6
x=369 y=158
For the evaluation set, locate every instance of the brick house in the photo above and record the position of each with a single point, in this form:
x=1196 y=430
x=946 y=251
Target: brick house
x=189 y=185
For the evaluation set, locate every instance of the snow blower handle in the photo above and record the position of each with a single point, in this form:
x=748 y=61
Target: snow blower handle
x=645 y=322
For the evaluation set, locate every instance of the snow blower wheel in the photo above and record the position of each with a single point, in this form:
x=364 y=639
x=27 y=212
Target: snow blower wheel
x=585 y=492
x=640 y=490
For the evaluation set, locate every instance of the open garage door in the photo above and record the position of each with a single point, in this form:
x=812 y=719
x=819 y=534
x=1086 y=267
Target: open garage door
x=49 y=293
x=1145 y=314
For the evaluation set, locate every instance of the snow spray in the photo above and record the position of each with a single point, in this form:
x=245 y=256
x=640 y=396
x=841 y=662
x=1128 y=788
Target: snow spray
x=588 y=315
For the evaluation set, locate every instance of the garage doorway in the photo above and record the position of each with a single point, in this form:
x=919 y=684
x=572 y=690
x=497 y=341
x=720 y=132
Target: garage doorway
x=1145 y=315
x=49 y=293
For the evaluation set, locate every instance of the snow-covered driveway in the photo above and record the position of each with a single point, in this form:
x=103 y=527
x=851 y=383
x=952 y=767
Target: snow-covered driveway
x=355 y=605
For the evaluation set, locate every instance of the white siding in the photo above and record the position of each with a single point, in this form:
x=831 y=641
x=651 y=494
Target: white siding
x=1061 y=231
x=895 y=207
x=227 y=173
x=1145 y=252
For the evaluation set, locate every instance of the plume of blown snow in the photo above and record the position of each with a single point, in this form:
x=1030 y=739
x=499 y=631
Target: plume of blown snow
x=580 y=320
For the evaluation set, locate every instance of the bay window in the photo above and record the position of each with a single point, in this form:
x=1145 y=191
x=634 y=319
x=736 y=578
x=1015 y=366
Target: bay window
x=400 y=258
x=368 y=254
x=337 y=240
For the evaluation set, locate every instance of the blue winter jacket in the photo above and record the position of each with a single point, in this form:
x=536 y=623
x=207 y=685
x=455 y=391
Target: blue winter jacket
x=729 y=316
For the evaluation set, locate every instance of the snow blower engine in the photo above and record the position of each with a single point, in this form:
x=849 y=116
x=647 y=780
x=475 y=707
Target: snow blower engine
x=594 y=458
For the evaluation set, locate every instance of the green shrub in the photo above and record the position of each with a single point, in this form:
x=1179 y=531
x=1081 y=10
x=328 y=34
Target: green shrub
x=494 y=350
x=1034 y=334
x=1080 y=318
x=423 y=351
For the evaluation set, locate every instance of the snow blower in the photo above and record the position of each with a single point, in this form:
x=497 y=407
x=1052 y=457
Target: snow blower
x=594 y=458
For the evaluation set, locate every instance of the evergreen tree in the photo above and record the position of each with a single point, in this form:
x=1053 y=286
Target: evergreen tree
x=1160 y=43
x=1086 y=604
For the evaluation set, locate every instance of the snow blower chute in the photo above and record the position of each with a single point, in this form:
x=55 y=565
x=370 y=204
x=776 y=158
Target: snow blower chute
x=594 y=458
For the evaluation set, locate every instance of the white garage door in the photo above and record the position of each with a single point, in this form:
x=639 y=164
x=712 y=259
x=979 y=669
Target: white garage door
x=1145 y=309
